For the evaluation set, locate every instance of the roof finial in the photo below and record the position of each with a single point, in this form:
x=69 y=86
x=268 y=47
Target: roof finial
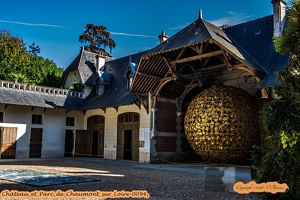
x=200 y=13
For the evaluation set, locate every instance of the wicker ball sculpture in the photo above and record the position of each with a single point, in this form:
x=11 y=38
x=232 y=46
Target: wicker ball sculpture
x=221 y=124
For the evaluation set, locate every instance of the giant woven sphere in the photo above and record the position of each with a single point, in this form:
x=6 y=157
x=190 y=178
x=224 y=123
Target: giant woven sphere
x=221 y=124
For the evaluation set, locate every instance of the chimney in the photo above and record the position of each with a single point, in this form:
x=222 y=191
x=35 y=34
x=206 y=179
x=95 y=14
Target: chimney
x=279 y=11
x=100 y=62
x=162 y=37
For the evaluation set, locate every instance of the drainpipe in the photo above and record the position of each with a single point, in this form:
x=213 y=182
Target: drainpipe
x=152 y=118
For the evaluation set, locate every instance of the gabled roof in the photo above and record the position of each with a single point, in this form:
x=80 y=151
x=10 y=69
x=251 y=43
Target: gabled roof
x=117 y=93
x=85 y=63
x=202 y=31
x=198 y=53
x=256 y=38
x=37 y=99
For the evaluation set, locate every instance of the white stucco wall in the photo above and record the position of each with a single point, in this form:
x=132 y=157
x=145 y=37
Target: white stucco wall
x=231 y=78
x=72 y=77
x=54 y=126
x=110 y=137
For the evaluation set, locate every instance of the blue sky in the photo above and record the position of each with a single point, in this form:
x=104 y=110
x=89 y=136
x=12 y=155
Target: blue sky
x=55 y=25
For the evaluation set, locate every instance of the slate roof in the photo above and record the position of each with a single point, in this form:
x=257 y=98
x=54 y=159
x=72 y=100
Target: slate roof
x=256 y=38
x=85 y=63
x=200 y=31
x=38 y=99
x=117 y=93
x=251 y=42
x=113 y=75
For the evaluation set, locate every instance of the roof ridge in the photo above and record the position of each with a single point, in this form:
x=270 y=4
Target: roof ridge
x=248 y=21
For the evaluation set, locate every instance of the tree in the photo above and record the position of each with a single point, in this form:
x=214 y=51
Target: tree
x=33 y=49
x=14 y=60
x=280 y=149
x=19 y=65
x=98 y=39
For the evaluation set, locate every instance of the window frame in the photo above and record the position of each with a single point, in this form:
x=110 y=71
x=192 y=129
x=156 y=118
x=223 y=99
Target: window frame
x=70 y=121
x=1 y=117
x=37 y=119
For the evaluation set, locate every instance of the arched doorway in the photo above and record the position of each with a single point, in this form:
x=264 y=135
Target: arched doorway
x=96 y=125
x=91 y=142
x=128 y=136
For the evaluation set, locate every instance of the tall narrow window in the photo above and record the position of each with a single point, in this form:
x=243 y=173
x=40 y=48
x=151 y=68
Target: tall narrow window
x=1 y=117
x=37 y=119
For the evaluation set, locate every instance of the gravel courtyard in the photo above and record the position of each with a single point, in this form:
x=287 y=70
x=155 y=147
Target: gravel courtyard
x=159 y=181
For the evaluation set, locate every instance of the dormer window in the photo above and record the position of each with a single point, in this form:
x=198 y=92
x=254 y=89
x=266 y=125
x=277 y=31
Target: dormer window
x=100 y=89
x=103 y=82
x=129 y=77
x=130 y=81
x=129 y=73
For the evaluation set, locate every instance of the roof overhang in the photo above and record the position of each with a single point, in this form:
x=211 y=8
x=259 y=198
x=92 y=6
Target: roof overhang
x=174 y=71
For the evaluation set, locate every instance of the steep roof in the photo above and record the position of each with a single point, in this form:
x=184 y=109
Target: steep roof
x=117 y=93
x=85 y=63
x=198 y=53
x=256 y=38
x=201 y=31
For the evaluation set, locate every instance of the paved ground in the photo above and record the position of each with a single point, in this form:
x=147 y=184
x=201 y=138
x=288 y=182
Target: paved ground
x=159 y=181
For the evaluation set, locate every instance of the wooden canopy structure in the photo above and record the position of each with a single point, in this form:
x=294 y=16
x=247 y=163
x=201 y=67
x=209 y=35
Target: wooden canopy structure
x=196 y=55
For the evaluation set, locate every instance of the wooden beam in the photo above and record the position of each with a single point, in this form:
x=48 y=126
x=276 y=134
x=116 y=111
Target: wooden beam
x=152 y=76
x=171 y=67
x=116 y=107
x=192 y=58
x=225 y=57
x=104 y=109
x=186 y=64
x=161 y=84
x=140 y=98
x=188 y=87
x=181 y=53
x=168 y=65
x=197 y=49
x=200 y=71
x=205 y=62
x=139 y=94
x=245 y=68
x=138 y=103
x=213 y=67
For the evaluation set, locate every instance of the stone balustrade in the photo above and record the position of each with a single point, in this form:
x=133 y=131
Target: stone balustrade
x=41 y=89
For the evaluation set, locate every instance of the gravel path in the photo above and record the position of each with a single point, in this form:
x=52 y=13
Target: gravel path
x=159 y=181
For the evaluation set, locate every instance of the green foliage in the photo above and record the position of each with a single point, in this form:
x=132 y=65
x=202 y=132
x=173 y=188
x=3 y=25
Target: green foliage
x=281 y=115
x=98 y=39
x=289 y=42
x=280 y=165
x=278 y=158
x=289 y=77
x=13 y=58
x=19 y=65
x=33 y=49
x=77 y=87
